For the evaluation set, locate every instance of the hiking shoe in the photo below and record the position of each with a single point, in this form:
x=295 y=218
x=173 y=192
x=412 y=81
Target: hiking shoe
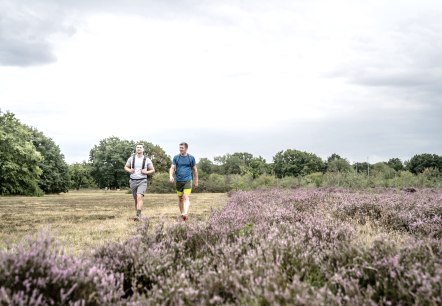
x=136 y=218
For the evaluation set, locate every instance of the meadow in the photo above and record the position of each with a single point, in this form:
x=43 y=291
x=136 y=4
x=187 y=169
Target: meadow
x=304 y=246
x=83 y=220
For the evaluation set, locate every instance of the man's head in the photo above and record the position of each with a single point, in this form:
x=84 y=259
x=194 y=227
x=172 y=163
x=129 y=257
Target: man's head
x=139 y=148
x=183 y=148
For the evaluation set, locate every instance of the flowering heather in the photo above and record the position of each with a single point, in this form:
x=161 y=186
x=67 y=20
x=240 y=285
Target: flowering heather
x=38 y=273
x=419 y=214
x=265 y=247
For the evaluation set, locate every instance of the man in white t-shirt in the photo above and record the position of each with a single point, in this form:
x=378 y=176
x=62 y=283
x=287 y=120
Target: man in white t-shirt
x=140 y=168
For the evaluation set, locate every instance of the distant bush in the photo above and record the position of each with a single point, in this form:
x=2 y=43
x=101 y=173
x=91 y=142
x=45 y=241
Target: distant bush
x=160 y=183
x=240 y=182
x=290 y=182
x=314 y=179
x=214 y=183
x=264 y=181
x=381 y=176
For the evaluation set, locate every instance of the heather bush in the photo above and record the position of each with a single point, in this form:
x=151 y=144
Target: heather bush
x=37 y=272
x=280 y=246
x=386 y=274
x=416 y=213
x=272 y=247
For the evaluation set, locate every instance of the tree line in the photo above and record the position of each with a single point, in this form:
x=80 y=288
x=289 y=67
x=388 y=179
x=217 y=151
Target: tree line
x=32 y=164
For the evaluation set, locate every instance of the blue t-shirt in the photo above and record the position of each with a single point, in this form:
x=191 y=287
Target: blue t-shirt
x=183 y=166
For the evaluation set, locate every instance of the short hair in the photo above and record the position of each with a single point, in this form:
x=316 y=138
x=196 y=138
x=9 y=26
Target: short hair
x=139 y=144
x=184 y=144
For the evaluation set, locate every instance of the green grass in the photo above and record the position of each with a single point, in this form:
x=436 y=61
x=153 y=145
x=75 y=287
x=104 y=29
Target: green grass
x=83 y=220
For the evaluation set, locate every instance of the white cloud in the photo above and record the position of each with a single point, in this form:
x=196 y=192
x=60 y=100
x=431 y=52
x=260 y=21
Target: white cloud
x=288 y=70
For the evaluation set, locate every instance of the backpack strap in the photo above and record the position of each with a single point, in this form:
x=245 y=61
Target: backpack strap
x=188 y=157
x=144 y=162
x=190 y=161
x=133 y=161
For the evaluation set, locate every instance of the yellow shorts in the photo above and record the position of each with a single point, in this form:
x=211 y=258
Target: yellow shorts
x=183 y=188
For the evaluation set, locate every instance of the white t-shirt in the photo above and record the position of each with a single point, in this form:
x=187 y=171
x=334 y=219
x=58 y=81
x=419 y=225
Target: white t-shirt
x=138 y=164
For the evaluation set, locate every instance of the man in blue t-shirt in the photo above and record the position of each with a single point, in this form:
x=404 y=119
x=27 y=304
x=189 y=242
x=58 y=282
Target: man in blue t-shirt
x=185 y=171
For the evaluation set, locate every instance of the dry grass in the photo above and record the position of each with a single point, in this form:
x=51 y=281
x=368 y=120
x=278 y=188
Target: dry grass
x=369 y=232
x=83 y=220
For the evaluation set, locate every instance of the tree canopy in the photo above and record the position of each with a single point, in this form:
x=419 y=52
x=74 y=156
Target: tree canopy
x=107 y=161
x=336 y=163
x=80 y=175
x=55 y=172
x=160 y=159
x=111 y=154
x=296 y=163
x=19 y=159
x=240 y=163
x=418 y=163
x=32 y=164
x=396 y=164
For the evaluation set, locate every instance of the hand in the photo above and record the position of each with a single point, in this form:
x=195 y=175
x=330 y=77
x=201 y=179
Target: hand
x=171 y=179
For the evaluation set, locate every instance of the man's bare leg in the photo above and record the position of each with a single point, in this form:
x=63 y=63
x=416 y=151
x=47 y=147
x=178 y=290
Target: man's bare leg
x=139 y=204
x=186 y=204
x=181 y=204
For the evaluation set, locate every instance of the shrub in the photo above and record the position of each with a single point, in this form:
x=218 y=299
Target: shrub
x=160 y=184
x=38 y=273
x=267 y=246
x=216 y=183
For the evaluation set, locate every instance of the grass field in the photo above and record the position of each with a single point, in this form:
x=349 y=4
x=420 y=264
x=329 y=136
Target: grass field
x=83 y=220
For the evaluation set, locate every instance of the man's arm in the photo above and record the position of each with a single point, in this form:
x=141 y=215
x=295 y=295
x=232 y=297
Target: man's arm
x=171 y=173
x=128 y=169
x=149 y=171
x=195 y=176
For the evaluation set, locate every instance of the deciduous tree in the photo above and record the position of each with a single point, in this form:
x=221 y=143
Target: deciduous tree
x=336 y=163
x=420 y=162
x=110 y=155
x=107 y=161
x=396 y=164
x=160 y=159
x=296 y=163
x=205 y=167
x=19 y=159
x=80 y=175
x=55 y=173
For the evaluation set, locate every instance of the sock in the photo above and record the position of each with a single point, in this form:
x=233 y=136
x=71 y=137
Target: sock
x=138 y=212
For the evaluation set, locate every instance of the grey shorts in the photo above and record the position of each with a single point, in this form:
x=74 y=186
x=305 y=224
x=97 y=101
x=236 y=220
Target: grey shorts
x=138 y=186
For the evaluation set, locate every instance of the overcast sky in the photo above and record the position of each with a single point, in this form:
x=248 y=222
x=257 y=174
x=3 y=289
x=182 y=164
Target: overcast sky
x=362 y=79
